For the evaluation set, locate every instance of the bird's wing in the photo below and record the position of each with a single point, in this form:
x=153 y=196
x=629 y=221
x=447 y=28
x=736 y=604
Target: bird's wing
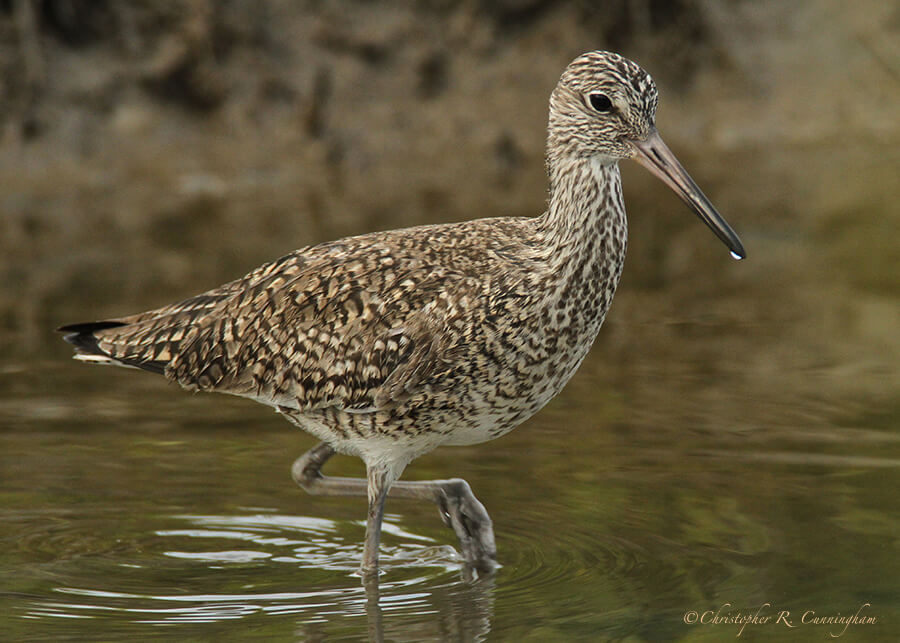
x=333 y=325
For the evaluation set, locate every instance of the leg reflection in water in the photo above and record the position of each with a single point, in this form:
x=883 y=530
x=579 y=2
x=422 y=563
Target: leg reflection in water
x=456 y=611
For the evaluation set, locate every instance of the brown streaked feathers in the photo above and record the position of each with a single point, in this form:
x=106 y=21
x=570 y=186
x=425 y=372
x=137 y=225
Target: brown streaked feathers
x=355 y=324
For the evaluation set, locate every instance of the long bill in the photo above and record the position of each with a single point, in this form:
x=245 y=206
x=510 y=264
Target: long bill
x=656 y=156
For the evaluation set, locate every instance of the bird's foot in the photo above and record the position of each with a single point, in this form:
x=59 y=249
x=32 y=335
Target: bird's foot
x=465 y=514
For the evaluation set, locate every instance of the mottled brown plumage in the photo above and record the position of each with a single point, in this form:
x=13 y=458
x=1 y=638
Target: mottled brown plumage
x=389 y=344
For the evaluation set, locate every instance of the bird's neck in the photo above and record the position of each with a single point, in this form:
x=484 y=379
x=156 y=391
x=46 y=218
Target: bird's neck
x=583 y=237
x=584 y=229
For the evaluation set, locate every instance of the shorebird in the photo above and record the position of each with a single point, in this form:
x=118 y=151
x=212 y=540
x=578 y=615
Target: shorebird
x=387 y=345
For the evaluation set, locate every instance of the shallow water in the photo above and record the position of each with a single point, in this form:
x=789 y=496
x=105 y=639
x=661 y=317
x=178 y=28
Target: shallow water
x=662 y=484
x=729 y=448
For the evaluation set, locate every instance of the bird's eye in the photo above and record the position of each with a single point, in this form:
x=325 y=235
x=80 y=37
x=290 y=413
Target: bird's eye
x=600 y=102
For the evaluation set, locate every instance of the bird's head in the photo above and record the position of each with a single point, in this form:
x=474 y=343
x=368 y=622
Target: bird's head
x=604 y=109
x=601 y=103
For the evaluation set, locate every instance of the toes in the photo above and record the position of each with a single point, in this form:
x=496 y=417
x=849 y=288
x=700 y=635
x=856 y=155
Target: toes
x=464 y=513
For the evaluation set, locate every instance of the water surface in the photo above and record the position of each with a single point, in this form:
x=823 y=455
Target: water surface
x=729 y=447
x=674 y=475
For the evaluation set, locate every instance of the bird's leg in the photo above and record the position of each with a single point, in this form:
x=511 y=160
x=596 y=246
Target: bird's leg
x=458 y=506
x=307 y=472
x=379 y=481
x=464 y=513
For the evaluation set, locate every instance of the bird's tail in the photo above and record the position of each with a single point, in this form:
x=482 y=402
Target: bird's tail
x=149 y=340
x=119 y=343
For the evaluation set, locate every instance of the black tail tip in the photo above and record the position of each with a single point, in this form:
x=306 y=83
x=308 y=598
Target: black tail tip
x=81 y=336
x=88 y=327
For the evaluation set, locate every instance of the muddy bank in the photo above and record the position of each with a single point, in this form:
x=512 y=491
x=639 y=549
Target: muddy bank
x=150 y=150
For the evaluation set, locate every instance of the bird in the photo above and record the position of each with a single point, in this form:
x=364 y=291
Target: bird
x=387 y=345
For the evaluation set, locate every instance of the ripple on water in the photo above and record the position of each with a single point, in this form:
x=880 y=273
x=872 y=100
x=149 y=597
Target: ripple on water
x=173 y=576
x=533 y=568
x=314 y=543
x=314 y=553
x=545 y=561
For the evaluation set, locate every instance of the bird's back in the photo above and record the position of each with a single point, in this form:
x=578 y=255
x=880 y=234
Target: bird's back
x=355 y=324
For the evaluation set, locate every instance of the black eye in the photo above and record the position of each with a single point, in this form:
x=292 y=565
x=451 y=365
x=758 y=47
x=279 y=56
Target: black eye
x=600 y=102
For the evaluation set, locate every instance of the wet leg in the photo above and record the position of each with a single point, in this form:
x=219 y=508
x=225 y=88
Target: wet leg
x=459 y=508
x=379 y=482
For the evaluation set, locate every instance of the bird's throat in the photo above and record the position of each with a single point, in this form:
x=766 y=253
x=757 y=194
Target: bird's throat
x=585 y=228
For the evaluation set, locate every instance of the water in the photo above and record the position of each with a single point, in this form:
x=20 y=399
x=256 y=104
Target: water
x=729 y=449
x=670 y=478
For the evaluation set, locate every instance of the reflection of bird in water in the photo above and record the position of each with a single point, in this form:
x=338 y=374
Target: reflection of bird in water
x=456 y=611
x=390 y=344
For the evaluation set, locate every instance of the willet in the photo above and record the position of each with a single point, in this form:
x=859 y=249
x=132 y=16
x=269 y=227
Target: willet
x=387 y=345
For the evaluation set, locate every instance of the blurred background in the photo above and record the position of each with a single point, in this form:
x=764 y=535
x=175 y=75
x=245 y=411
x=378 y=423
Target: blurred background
x=151 y=150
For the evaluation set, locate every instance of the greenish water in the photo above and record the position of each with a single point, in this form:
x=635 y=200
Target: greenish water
x=672 y=477
x=730 y=448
